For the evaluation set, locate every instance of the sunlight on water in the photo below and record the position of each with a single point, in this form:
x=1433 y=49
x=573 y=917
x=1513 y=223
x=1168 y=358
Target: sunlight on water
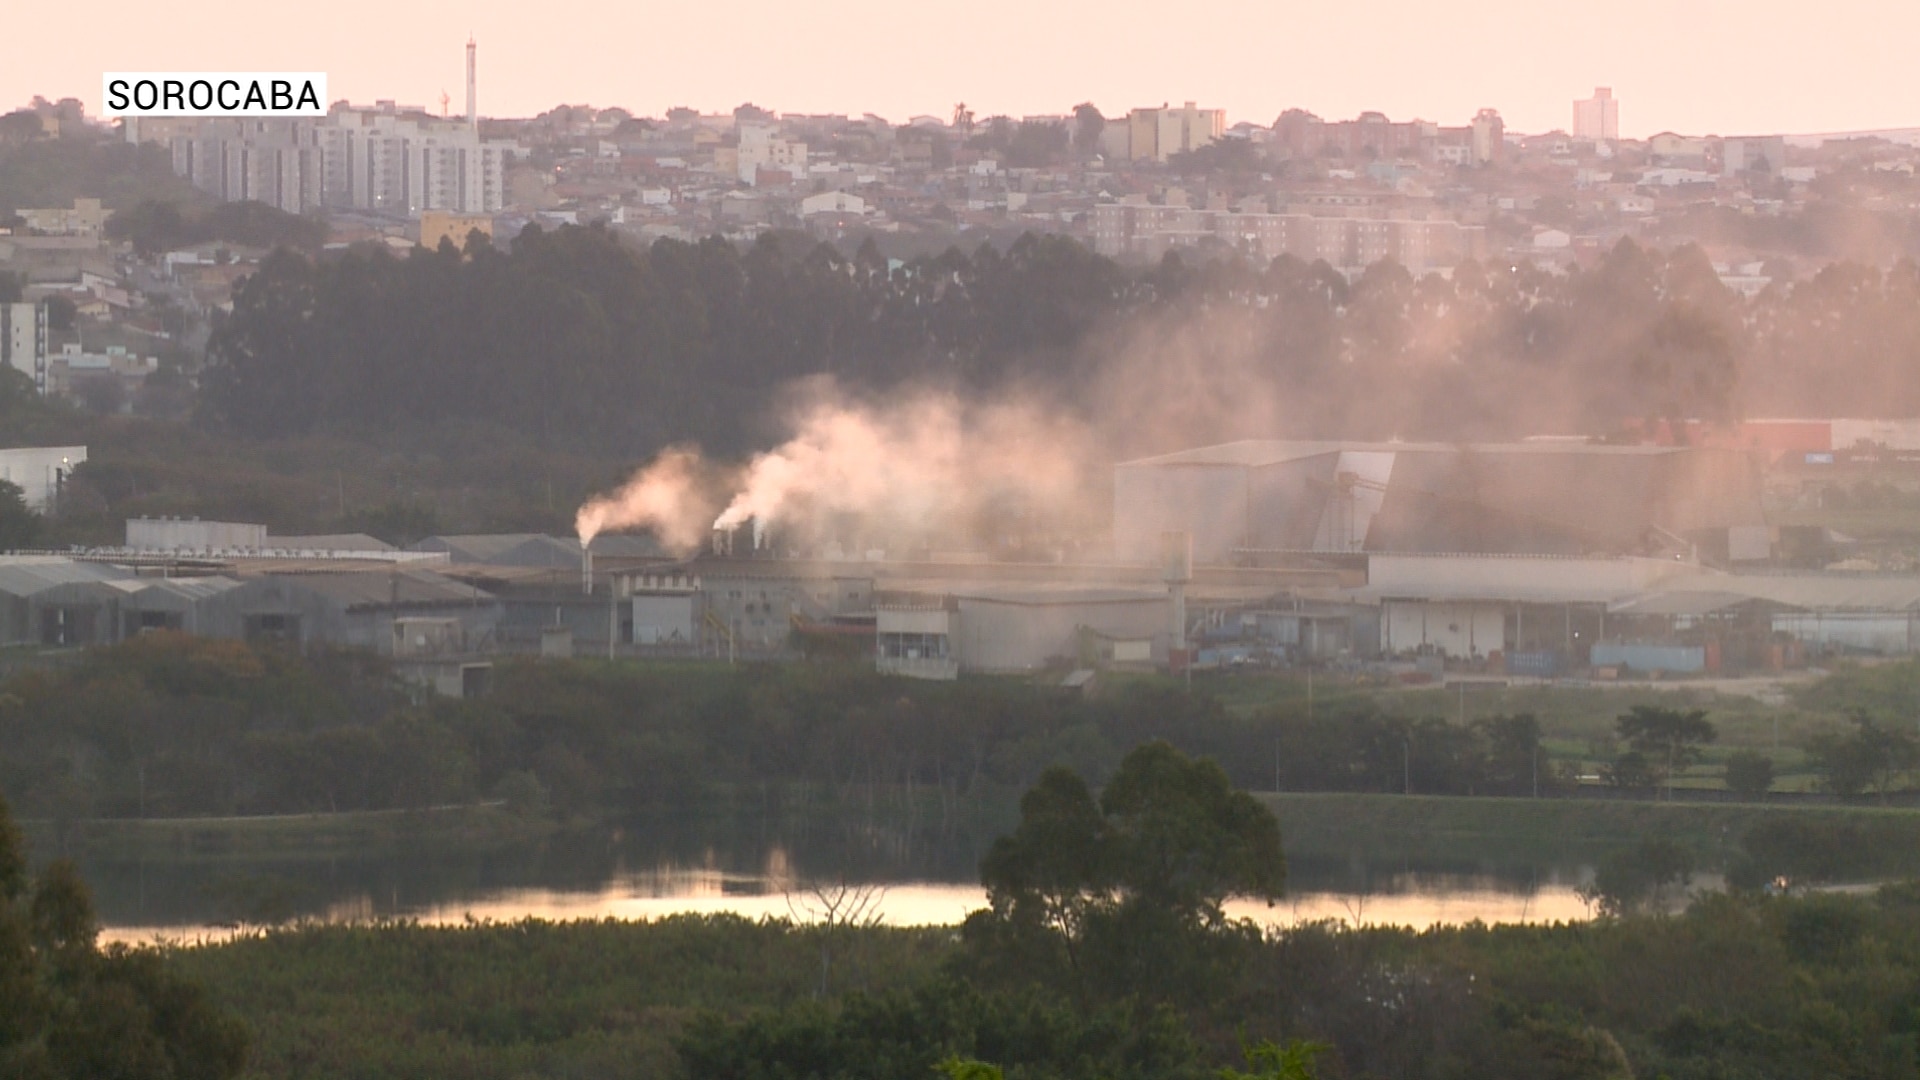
x=669 y=891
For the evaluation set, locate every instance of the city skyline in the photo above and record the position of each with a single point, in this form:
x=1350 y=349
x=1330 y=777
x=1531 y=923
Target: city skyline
x=1696 y=70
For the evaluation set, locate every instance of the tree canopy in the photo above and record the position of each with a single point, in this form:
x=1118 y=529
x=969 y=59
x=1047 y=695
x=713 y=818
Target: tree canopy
x=1135 y=882
x=69 y=1009
x=578 y=338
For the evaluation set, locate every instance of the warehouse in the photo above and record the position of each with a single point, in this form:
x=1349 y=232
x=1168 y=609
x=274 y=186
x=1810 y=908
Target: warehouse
x=1545 y=498
x=1019 y=629
x=352 y=607
x=1534 y=614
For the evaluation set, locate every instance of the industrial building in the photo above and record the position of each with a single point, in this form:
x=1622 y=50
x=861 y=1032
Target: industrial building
x=1007 y=630
x=1534 y=498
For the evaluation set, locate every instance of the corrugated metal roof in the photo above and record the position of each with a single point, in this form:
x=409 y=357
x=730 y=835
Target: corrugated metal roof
x=1258 y=452
x=381 y=588
x=1572 y=592
x=1041 y=595
x=28 y=575
x=1813 y=592
x=193 y=588
x=518 y=549
x=329 y=542
x=1683 y=603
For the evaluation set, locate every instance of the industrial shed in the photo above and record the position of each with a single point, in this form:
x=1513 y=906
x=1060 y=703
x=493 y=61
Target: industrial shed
x=535 y=549
x=347 y=607
x=1025 y=629
x=1546 y=498
x=49 y=600
x=1541 y=612
x=1870 y=613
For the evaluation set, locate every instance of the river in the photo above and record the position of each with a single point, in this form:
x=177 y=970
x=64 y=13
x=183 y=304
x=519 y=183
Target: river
x=650 y=871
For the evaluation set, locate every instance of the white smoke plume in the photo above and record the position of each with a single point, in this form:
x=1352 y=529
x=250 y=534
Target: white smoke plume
x=674 y=497
x=925 y=465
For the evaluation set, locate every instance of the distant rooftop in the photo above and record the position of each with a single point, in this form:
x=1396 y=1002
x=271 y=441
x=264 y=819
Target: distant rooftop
x=1258 y=452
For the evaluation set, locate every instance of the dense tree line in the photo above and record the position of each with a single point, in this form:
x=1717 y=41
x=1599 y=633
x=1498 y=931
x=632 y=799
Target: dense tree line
x=574 y=338
x=154 y=226
x=168 y=725
x=577 y=338
x=70 y=1009
x=82 y=162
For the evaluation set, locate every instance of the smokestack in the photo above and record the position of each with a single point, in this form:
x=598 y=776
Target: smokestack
x=1176 y=569
x=473 y=103
x=586 y=569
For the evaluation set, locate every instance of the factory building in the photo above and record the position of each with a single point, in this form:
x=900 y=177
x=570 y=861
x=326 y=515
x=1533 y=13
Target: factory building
x=1533 y=498
x=1021 y=629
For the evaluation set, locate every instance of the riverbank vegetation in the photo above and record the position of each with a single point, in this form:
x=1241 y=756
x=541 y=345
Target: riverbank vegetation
x=169 y=726
x=1104 y=953
x=69 y=1009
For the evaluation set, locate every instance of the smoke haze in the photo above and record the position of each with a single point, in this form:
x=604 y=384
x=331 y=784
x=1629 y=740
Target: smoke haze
x=922 y=464
x=674 y=497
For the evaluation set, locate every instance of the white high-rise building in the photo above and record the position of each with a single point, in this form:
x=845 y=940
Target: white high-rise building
x=387 y=158
x=1598 y=117
x=408 y=162
x=23 y=341
x=274 y=161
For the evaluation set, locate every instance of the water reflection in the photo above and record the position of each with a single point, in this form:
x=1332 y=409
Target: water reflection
x=655 y=869
x=678 y=890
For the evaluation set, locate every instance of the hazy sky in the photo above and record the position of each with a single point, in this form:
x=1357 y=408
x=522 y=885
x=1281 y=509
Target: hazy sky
x=1696 y=66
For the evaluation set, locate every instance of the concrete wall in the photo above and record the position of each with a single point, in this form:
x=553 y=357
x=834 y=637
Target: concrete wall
x=268 y=607
x=1516 y=575
x=999 y=636
x=1454 y=628
x=172 y=534
x=664 y=619
x=1683 y=659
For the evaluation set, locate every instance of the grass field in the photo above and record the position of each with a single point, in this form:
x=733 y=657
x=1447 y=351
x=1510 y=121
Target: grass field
x=317 y=836
x=1771 y=716
x=1385 y=827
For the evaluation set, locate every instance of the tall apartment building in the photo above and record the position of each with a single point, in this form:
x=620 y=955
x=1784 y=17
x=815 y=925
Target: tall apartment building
x=1597 y=117
x=761 y=147
x=1489 y=134
x=1766 y=152
x=279 y=162
x=389 y=158
x=23 y=341
x=404 y=162
x=1158 y=134
x=1347 y=242
x=1371 y=136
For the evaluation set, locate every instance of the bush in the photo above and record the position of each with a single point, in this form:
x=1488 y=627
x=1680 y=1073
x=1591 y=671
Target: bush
x=1749 y=773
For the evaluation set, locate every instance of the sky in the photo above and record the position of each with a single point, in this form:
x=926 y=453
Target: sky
x=1694 y=66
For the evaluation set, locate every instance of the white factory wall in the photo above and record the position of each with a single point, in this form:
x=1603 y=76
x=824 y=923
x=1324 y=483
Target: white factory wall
x=663 y=619
x=175 y=534
x=1455 y=628
x=917 y=620
x=1516 y=576
x=1000 y=636
x=1892 y=434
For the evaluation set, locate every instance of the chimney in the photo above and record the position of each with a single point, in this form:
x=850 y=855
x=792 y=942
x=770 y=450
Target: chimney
x=473 y=104
x=1176 y=569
